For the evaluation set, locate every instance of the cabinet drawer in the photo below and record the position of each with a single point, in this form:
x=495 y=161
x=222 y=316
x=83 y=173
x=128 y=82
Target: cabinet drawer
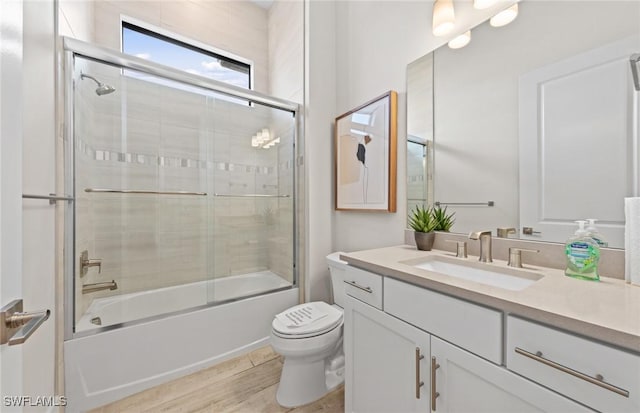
x=603 y=377
x=364 y=285
x=470 y=326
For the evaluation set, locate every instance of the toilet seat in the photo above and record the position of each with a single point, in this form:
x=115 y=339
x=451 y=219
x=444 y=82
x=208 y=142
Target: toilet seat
x=321 y=326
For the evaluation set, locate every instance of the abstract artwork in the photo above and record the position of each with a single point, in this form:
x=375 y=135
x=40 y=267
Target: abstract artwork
x=365 y=156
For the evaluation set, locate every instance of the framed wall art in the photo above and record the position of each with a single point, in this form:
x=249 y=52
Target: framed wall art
x=365 y=156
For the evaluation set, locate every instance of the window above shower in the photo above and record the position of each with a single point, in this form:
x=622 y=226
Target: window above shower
x=161 y=46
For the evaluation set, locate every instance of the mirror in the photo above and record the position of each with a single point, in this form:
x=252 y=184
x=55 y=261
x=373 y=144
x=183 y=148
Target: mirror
x=540 y=117
x=420 y=132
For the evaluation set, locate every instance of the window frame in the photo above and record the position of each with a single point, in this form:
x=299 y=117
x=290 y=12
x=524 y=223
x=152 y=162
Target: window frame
x=183 y=41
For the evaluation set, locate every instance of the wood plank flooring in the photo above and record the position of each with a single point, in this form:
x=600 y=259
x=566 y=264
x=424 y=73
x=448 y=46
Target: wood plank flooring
x=246 y=384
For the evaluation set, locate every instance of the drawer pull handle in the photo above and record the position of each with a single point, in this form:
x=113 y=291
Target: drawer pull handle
x=598 y=380
x=418 y=382
x=355 y=284
x=434 y=394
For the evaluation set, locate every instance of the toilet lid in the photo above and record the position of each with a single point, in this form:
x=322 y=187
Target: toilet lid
x=328 y=322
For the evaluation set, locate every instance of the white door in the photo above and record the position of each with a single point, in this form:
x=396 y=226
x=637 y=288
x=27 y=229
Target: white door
x=466 y=383
x=10 y=185
x=387 y=362
x=27 y=226
x=579 y=143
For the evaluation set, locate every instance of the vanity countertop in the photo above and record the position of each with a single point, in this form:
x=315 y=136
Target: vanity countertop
x=608 y=310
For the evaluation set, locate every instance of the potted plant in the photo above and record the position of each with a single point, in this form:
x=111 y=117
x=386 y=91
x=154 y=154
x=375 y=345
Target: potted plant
x=424 y=225
x=444 y=221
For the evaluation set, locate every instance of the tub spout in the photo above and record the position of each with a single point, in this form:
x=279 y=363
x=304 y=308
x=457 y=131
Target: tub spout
x=92 y=288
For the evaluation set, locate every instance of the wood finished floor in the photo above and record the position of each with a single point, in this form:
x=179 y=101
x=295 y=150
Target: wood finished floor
x=246 y=384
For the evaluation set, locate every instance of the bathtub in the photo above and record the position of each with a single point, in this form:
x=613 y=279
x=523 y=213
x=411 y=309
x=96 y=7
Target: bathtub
x=137 y=306
x=123 y=360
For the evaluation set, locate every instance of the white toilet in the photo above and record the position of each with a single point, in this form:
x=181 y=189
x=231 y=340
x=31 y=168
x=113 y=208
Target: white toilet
x=313 y=354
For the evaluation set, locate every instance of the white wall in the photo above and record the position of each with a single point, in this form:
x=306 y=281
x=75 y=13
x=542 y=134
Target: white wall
x=75 y=19
x=286 y=50
x=319 y=109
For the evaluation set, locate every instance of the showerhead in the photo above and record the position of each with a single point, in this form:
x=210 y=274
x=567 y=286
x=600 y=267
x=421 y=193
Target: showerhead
x=103 y=88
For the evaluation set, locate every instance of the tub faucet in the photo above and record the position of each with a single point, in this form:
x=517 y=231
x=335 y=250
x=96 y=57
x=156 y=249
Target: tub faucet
x=485 y=244
x=92 y=288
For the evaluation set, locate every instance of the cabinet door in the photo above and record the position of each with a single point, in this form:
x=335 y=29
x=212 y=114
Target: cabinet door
x=467 y=383
x=387 y=362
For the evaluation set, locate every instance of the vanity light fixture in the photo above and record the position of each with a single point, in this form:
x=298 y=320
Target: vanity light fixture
x=483 y=4
x=460 y=41
x=505 y=17
x=443 y=17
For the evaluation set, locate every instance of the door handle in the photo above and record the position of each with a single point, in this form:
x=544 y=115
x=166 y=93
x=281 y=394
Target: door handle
x=434 y=394
x=419 y=383
x=17 y=326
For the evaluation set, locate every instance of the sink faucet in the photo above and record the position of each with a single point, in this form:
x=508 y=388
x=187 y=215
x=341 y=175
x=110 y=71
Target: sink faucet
x=485 y=244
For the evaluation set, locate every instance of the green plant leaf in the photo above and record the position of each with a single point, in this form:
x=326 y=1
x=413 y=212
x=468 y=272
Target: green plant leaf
x=443 y=221
x=422 y=220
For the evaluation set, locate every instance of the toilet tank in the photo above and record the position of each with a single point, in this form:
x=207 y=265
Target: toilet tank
x=337 y=270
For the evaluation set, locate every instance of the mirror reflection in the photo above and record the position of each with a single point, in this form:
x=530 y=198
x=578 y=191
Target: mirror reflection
x=539 y=117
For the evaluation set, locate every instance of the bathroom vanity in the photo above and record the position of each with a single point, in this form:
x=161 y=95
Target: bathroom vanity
x=417 y=338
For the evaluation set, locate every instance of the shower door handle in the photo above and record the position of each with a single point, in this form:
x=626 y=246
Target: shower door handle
x=17 y=326
x=51 y=197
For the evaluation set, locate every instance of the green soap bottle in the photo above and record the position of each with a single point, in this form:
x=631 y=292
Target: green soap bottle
x=583 y=255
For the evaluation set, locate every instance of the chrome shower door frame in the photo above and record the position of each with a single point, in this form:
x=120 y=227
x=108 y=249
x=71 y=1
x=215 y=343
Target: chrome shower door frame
x=72 y=48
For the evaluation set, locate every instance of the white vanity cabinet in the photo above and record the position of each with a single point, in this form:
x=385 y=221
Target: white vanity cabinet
x=467 y=383
x=388 y=360
x=419 y=350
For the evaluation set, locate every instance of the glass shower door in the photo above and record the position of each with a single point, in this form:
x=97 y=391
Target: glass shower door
x=252 y=183
x=141 y=218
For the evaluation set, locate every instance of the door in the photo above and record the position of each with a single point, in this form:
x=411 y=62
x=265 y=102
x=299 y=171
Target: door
x=27 y=226
x=467 y=383
x=10 y=184
x=583 y=109
x=387 y=362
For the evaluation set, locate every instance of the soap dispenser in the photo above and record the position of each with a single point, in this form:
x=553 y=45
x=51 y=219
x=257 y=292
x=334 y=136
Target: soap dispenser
x=583 y=255
x=595 y=234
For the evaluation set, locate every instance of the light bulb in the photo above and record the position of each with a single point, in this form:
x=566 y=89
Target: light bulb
x=505 y=17
x=460 y=41
x=443 y=17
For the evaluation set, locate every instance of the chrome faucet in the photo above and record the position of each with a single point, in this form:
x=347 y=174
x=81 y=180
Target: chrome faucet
x=485 y=244
x=92 y=288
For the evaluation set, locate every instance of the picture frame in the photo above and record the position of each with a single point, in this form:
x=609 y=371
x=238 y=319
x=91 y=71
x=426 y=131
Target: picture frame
x=365 y=160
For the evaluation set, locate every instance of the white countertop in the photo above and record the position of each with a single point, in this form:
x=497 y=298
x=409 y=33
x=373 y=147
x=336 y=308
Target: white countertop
x=608 y=310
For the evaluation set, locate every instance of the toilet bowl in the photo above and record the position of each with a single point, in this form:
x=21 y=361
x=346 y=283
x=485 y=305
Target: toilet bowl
x=313 y=354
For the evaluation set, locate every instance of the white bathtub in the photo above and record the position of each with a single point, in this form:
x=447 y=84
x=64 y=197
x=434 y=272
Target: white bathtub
x=136 y=306
x=107 y=366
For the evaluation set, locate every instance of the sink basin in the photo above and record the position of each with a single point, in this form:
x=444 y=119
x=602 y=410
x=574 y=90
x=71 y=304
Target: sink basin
x=506 y=278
